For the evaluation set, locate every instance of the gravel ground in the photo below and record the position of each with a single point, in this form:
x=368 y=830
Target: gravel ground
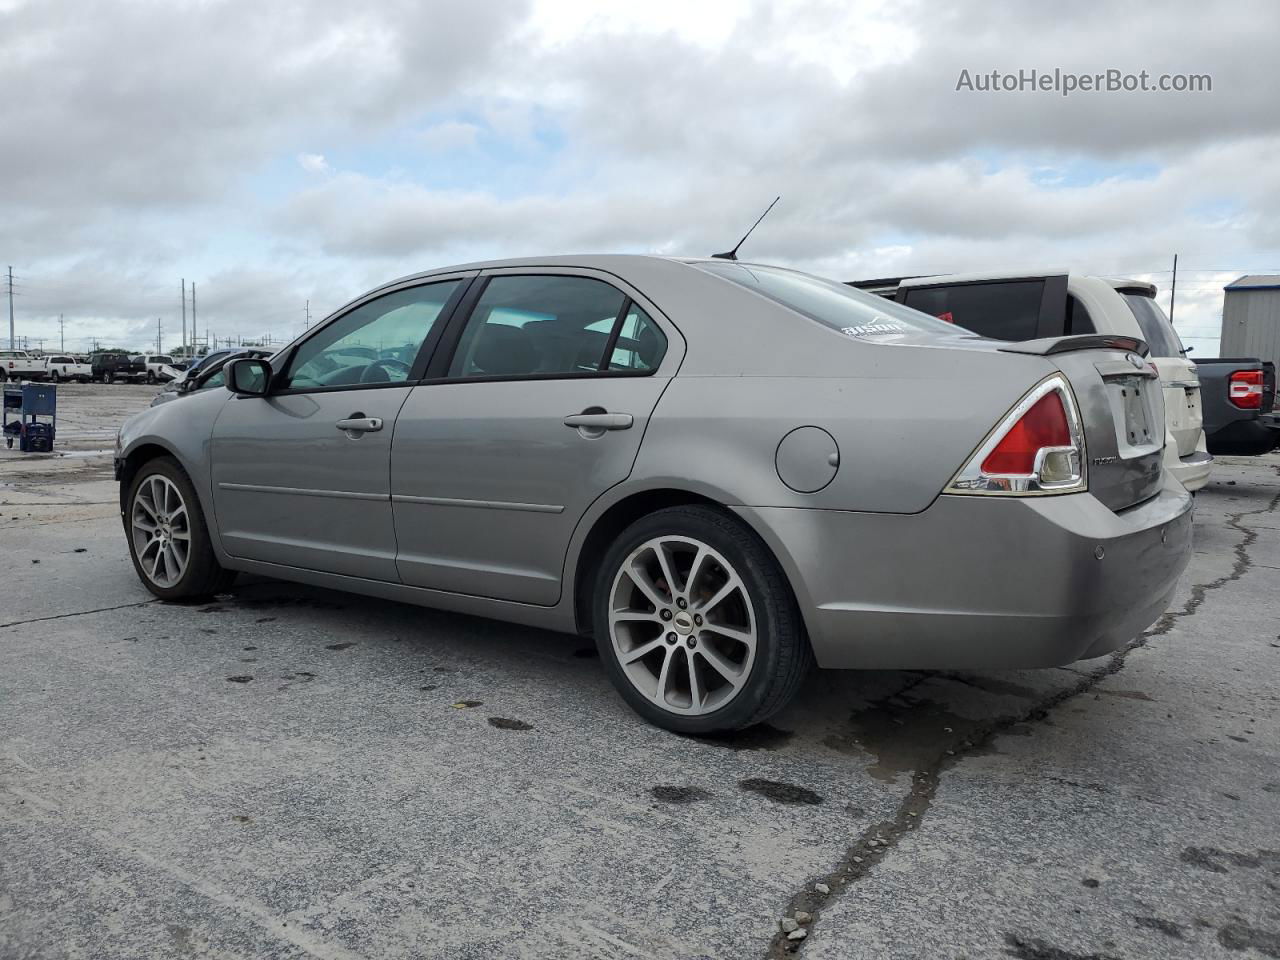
x=287 y=772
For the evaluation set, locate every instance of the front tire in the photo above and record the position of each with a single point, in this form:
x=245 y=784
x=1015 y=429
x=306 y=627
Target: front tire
x=696 y=623
x=168 y=537
x=108 y=377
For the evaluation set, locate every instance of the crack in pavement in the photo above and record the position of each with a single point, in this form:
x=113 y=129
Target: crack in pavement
x=871 y=846
x=78 y=613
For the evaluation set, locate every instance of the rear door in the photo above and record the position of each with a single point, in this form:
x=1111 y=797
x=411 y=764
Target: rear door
x=1184 y=419
x=536 y=406
x=301 y=477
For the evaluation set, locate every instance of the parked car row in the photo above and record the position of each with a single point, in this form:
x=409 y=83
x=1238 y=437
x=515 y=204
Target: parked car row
x=103 y=366
x=722 y=471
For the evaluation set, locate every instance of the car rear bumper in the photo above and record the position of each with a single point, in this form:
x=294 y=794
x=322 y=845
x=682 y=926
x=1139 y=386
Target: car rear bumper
x=981 y=582
x=1191 y=471
x=1246 y=438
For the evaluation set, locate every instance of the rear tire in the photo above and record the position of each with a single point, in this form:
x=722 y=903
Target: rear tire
x=55 y=377
x=151 y=377
x=108 y=377
x=699 y=575
x=167 y=534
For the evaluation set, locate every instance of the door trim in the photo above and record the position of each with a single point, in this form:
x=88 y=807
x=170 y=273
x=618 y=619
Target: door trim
x=301 y=491
x=487 y=504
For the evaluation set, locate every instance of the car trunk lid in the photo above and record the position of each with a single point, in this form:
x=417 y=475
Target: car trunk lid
x=1122 y=408
x=1183 y=416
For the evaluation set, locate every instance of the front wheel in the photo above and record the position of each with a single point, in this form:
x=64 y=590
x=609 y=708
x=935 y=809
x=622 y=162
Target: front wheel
x=168 y=537
x=696 y=622
x=108 y=377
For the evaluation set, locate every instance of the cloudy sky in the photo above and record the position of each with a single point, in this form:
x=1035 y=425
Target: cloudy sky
x=281 y=152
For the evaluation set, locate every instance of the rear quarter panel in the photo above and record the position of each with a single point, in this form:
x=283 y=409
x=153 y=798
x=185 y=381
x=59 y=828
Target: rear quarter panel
x=903 y=427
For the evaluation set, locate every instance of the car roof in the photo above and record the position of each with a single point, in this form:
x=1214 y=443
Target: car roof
x=1008 y=273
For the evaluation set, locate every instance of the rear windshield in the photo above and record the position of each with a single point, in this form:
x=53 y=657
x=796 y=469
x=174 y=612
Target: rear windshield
x=1156 y=328
x=836 y=305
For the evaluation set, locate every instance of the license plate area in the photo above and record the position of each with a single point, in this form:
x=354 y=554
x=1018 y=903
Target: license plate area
x=1132 y=414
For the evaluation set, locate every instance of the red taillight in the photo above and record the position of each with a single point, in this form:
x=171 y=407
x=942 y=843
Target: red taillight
x=1044 y=425
x=1245 y=389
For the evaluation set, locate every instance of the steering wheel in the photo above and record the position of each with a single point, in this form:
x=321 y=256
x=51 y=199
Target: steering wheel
x=384 y=366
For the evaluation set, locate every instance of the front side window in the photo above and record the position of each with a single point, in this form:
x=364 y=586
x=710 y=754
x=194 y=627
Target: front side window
x=1008 y=310
x=376 y=343
x=554 y=325
x=1161 y=338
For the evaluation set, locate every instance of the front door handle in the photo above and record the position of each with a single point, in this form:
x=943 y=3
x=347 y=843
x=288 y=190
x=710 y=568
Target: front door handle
x=358 y=424
x=600 y=421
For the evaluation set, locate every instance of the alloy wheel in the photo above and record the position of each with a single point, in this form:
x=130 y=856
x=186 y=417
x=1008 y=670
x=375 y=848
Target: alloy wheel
x=161 y=530
x=682 y=625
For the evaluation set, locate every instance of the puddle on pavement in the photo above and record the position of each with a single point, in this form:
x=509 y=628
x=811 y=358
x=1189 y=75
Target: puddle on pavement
x=779 y=792
x=904 y=734
x=667 y=793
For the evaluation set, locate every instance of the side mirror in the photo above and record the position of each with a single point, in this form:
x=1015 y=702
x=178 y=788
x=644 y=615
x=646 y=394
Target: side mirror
x=248 y=377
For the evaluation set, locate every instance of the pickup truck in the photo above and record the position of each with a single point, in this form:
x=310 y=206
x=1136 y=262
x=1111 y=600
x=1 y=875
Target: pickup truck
x=1031 y=305
x=109 y=367
x=1239 y=399
x=161 y=368
x=20 y=365
x=64 y=366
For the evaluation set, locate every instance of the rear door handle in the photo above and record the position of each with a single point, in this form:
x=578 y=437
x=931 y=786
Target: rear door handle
x=360 y=424
x=600 y=421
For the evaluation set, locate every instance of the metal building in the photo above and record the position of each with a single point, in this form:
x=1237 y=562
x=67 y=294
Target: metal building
x=1251 y=318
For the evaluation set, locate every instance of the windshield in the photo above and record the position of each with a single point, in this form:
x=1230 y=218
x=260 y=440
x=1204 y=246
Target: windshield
x=835 y=305
x=1161 y=338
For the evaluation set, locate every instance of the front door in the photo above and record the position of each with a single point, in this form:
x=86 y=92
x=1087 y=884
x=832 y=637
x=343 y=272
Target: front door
x=301 y=477
x=540 y=409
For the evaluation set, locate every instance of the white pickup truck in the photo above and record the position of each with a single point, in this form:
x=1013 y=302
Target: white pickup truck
x=20 y=365
x=60 y=367
x=161 y=368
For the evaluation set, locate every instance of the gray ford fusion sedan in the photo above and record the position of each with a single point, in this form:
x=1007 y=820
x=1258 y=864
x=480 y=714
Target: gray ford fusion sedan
x=722 y=471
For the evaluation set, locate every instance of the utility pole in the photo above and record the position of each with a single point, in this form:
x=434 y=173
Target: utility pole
x=1173 y=288
x=193 y=316
x=158 y=336
x=10 y=307
x=308 y=310
x=62 y=335
x=184 y=314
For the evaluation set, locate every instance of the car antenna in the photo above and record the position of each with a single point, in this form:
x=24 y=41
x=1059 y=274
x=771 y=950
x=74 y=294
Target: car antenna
x=733 y=254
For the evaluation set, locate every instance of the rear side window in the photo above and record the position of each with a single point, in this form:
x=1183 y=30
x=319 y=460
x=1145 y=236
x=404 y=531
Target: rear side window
x=1078 y=319
x=547 y=326
x=999 y=311
x=1161 y=338
x=836 y=305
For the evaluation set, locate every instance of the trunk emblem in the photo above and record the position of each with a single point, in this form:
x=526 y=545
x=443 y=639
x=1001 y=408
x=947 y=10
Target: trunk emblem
x=1136 y=360
x=1103 y=461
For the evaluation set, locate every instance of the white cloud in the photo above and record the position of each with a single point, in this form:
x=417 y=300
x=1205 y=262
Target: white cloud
x=314 y=163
